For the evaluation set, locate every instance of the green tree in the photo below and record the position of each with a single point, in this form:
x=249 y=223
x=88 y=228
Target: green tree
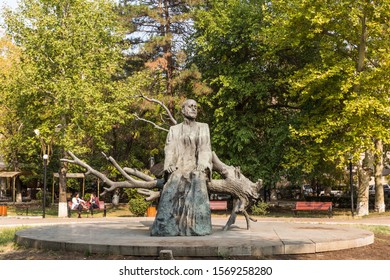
x=158 y=31
x=246 y=110
x=71 y=52
x=155 y=67
x=340 y=82
x=9 y=124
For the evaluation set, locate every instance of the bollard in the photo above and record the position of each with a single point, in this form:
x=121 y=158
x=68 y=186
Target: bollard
x=105 y=210
x=151 y=211
x=166 y=255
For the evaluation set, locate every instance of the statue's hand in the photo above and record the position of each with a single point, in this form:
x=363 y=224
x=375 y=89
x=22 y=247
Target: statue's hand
x=171 y=169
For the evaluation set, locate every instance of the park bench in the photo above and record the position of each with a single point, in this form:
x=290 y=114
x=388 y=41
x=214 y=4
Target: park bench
x=21 y=209
x=313 y=206
x=218 y=205
x=102 y=207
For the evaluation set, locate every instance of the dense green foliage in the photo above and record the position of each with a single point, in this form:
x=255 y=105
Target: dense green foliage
x=340 y=83
x=297 y=84
x=69 y=56
x=248 y=127
x=340 y=86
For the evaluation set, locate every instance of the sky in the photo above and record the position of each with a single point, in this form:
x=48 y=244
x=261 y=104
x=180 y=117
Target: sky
x=10 y=3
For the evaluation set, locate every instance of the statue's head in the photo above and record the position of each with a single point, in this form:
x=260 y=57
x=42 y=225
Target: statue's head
x=189 y=109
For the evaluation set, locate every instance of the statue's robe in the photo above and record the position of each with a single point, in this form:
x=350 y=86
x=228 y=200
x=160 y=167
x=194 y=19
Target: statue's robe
x=184 y=207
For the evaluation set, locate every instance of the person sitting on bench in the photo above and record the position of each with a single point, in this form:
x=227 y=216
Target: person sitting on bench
x=78 y=203
x=93 y=203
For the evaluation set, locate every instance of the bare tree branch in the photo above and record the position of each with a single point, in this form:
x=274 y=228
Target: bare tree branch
x=171 y=118
x=150 y=122
x=139 y=174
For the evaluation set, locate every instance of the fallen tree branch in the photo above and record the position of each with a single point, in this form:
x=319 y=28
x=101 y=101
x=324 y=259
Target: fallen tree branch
x=243 y=191
x=139 y=174
x=130 y=183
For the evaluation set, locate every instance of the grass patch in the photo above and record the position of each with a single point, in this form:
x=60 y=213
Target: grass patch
x=7 y=240
x=376 y=229
x=7 y=236
x=33 y=210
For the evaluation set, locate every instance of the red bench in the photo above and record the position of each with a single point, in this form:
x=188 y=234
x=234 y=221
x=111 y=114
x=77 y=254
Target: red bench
x=313 y=206
x=102 y=207
x=218 y=205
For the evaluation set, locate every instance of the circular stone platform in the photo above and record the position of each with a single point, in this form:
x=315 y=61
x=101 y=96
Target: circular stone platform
x=130 y=236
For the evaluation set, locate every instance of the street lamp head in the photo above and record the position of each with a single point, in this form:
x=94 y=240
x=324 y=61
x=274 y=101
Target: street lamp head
x=45 y=156
x=36 y=131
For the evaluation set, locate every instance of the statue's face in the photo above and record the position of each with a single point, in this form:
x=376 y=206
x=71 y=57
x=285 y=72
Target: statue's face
x=190 y=109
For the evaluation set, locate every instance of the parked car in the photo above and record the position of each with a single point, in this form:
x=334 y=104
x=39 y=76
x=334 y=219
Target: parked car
x=386 y=189
x=333 y=192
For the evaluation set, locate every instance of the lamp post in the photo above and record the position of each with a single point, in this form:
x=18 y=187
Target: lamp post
x=46 y=149
x=45 y=159
x=351 y=185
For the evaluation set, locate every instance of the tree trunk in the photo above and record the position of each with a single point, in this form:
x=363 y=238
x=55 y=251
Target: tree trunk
x=19 y=197
x=167 y=52
x=167 y=47
x=363 y=174
x=362 y=44
x=62 y=203
x=378 y=166
x=362 y=188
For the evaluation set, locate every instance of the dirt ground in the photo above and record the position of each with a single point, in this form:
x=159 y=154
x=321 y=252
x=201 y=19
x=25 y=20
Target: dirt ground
x=379 y=250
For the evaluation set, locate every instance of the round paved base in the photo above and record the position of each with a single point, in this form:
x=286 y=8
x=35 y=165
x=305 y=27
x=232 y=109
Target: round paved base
x=131 y=236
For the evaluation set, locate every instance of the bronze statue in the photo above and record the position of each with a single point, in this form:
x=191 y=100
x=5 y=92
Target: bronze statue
x=184 y=207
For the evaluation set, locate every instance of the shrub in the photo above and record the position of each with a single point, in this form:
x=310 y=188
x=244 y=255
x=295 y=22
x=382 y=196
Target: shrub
x=138 y=206
x=137 y=203
x=260 y=208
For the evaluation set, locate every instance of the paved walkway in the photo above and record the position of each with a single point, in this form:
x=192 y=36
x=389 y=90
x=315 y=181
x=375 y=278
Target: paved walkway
x=130 y=236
